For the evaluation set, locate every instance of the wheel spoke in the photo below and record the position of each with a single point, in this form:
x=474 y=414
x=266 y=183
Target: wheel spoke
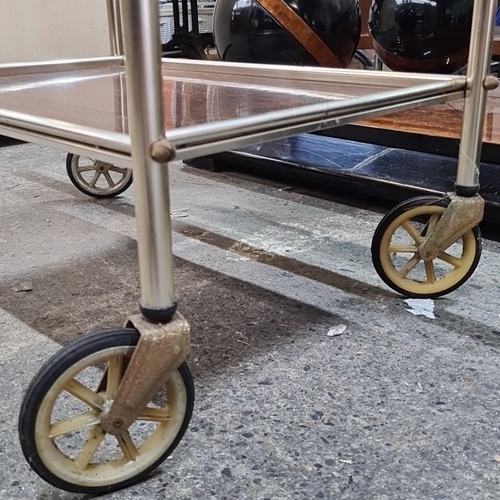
x=432 y=223
x=127 y=446
x=403 y=249
x=103 y=382
x=429 y=271
x=412 y=231
x=114 y=375
x=90 y=447
x=154 y=415
x=85 y=394
x=94 y=180
x=449 y=259
x=120 y=170
x=109 y=179
x=458 y=241
x=403 y=272
x=88 y=168
x=73 y=424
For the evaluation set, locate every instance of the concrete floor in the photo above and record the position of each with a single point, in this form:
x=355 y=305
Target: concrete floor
x=397 y=407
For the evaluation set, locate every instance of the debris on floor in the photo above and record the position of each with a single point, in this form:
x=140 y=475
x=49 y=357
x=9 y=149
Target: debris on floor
x=25 y=286
x=421 y=307
x=336 y=331
x=176 y=214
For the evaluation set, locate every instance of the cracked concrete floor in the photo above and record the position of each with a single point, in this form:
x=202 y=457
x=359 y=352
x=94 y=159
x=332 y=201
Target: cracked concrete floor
x=397 y=407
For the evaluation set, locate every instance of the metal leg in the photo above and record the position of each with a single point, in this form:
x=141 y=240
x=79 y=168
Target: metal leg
x=115 y=27
x=195 y=28
x=466 y=208
x=177 y=16
x=475 y=100
x=165 y=342
x=377 y=63
x=185 y=15
x=151 y=187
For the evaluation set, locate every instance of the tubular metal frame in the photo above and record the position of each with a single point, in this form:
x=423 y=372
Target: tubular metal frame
x=475 y=97
x=143 y=68
x=115 y=27
x=208 y=138
x=146 y=124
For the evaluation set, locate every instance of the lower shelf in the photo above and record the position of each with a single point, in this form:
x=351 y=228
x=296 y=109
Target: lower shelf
x=343 y=165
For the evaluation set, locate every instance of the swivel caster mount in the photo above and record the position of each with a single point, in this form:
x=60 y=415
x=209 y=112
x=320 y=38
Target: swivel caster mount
x=397 y=250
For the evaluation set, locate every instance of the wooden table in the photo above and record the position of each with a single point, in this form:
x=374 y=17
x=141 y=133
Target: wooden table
x=495 y=50
x=443 y=120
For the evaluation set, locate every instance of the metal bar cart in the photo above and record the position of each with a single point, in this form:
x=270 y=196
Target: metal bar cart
x=143 y=112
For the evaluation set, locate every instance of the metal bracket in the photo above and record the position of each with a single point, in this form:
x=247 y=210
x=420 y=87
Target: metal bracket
x=162 y=348
x=461 y=215
x=163 y=151
x=490 y=83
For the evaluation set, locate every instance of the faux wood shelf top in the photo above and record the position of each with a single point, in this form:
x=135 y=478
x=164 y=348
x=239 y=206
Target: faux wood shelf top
x=208 y=107
x=441 y=120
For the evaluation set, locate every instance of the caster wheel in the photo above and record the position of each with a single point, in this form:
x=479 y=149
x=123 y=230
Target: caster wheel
x=60 y=432
x=96 y=178
x=395 y=251
x=194 y=52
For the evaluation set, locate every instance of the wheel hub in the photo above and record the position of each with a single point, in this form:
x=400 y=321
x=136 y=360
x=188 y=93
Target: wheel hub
x=102 y=167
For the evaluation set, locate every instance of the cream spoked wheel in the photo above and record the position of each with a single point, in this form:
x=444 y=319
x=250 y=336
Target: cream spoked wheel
x=59 y=424
x=395 y=251
x=97 y=178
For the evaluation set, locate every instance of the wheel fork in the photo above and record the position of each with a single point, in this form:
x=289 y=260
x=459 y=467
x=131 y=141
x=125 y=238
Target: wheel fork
x=461 y=215
x=162 y=348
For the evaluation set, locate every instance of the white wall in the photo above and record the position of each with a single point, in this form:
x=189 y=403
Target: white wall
x=38 y=30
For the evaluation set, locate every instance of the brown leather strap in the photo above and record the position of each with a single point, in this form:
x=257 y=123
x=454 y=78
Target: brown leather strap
x=301 y=31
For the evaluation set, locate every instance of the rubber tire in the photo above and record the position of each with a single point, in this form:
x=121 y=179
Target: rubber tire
x=69 y=171
x=194 y=52
x=387 y=221
x=48 y=375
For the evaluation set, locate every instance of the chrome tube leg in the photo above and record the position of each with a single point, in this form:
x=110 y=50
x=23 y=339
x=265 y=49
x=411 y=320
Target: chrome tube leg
x=467 y=183
x=115 y=27
x=377 y=63
x=164 y=334
x=151 y=186
x=466 y=207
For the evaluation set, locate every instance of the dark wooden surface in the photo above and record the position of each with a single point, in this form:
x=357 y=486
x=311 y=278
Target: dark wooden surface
x=496 y=41
x=365 y=41
x=443 y=120
x=347 y=167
